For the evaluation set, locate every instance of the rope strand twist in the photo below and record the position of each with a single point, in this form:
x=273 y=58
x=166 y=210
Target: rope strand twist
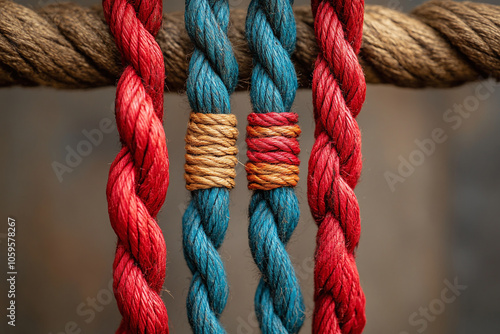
x=65 y=45
x=271 y=136
x=138 y=177
x=335 y=165
x=210 y=160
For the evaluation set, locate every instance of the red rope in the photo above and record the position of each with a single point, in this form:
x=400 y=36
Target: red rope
x=138 y=179
x=335 y=165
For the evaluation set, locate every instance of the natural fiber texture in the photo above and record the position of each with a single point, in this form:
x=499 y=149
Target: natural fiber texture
x=441 y=44
x=335 y=166
x=273 y=150
x=265 y=176
x=211 y=151
x=210 y=160
x=271 y=136
x=138 y=177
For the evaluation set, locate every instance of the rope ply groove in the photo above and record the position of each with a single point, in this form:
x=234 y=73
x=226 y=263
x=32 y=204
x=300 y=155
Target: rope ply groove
x=210 y=160
x=335 y=166
x=272 y=169
x=69 y=46
x=138 y=177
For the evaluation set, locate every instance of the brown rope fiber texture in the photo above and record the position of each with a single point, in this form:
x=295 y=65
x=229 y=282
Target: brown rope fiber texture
x=211 y=151
x=440 y=44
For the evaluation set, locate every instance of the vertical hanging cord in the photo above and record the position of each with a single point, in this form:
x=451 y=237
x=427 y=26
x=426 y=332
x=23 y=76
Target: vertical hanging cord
x=210 y=160
x=138 y=178
x=335 y=166
x=272 y=169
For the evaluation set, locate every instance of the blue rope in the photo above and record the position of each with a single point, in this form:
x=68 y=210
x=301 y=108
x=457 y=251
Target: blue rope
x=274 y=214
x=213 y=75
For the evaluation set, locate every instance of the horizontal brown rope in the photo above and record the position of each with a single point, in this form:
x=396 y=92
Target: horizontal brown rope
x=440 y=44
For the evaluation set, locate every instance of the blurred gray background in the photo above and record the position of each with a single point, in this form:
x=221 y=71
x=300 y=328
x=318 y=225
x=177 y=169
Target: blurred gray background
x=439 y=226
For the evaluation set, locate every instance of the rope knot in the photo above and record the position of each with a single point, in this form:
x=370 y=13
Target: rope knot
x=273 y=150
x=211 y=151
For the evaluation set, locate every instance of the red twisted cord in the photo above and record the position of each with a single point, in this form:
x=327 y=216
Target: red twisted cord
x=138 y=179
x=335 y=166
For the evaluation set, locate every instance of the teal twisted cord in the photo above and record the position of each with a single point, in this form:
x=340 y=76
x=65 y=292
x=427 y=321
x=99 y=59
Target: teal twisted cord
x=274 y=214
x=213 y=75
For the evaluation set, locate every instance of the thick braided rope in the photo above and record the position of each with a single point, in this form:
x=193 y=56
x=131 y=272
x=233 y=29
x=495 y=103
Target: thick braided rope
x=69 y=46
x=138 y=178
x=210 y=160
x=335 y=166
x=274 y=209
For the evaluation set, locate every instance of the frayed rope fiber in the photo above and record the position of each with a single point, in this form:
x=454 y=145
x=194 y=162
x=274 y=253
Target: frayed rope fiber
x=210 y=160
x=138 y=177
x=439 y=44
x=273 y=149
x=335 y=166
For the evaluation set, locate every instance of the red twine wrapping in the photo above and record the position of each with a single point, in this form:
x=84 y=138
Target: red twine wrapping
x=273 y=150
